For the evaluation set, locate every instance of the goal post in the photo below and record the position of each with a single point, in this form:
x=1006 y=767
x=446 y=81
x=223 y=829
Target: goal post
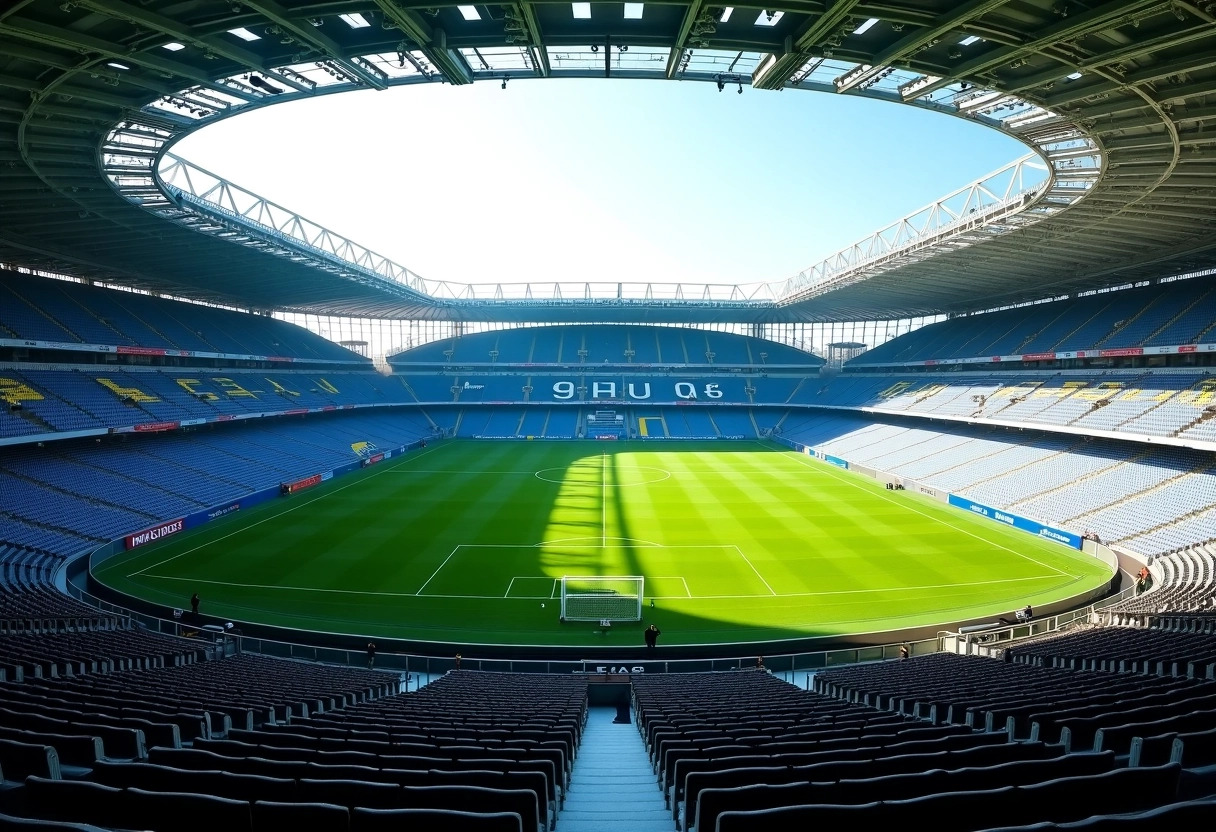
x=602 y=598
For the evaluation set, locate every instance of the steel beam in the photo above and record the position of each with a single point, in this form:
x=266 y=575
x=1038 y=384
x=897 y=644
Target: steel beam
x=431 y=41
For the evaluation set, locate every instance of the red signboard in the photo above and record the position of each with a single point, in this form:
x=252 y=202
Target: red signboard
x=1121 y=352
x=300 y=485
x=141 y=351
x=153 y=427
x=1038 y=356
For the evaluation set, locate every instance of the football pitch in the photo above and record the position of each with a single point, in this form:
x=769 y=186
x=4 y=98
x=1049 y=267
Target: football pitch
x=466 y=542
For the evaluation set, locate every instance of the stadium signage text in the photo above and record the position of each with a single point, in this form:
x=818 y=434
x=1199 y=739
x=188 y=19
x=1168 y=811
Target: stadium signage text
x=565 y=390
x=1026 y=525
x=220 y=512
x=622 y=669
x=154 y=533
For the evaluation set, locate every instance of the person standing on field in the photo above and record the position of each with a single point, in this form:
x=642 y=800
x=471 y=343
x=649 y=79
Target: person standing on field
x=652 y=636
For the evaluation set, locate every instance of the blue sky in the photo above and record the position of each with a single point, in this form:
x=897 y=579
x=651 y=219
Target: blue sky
x=599 y=180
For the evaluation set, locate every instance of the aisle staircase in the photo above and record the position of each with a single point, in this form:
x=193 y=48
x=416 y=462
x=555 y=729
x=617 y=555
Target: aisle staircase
x=612 y=785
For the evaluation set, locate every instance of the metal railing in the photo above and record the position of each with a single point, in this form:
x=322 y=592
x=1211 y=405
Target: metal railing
x=988 y=642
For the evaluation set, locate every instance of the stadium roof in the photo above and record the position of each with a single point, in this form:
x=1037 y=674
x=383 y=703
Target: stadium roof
x=1117 y=96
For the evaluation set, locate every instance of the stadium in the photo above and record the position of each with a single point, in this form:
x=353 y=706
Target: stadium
x=290 y=534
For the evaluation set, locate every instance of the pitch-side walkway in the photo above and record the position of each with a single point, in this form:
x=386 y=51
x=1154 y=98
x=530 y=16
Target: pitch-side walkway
x=612 y=786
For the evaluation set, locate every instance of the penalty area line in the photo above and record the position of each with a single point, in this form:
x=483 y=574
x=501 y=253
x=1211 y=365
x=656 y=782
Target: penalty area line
x=746 y=560
x=436 y=572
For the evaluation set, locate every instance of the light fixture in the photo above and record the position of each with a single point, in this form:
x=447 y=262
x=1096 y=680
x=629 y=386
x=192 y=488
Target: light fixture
x=721 y=84
x=504 y=82
x=740 y=88
x=594 y=48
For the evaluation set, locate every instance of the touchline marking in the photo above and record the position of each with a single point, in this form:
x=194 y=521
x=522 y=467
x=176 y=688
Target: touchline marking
x=757 y=571
x=318 y=589
x=281 y=513
x=450 y=473
x=281 y=587
x=831 y=472
x=436 y=572
x=603 y=498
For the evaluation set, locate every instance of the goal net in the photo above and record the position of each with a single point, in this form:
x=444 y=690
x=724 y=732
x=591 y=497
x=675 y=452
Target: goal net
x=602 y=598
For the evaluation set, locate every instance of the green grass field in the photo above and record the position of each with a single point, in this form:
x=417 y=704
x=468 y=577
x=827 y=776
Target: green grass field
x=464 y=542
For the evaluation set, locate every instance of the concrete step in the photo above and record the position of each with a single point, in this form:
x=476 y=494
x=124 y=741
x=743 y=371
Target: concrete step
x=613 y=786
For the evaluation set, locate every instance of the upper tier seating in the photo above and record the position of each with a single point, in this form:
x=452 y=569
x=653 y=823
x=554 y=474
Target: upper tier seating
x=1158 y=403
x=1174 y=314
x=44 y=401
x=606 y=344
x=64 y=312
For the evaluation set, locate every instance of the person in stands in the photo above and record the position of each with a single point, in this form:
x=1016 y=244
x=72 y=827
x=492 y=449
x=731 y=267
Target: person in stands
x=194 y=603
x=371 y=654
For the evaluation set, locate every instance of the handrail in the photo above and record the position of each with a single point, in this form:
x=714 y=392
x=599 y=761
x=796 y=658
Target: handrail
x=988 y=642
